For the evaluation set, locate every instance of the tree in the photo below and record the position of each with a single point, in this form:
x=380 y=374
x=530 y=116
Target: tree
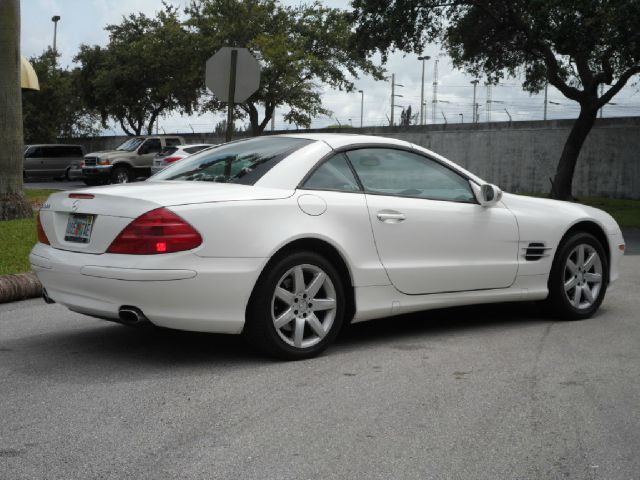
x=55 y=111
x=299 y=48
x=575 y=45
x=12 y=201
x=144 y=72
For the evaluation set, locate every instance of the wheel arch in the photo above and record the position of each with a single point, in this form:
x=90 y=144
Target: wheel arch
x=122 y=163
x=594 y=229
x=327 y=250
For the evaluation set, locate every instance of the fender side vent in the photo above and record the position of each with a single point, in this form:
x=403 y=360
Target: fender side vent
x=535 y=251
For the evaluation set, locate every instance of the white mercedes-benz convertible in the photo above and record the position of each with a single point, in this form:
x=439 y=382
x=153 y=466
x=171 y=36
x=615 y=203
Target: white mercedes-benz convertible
x=286 y=238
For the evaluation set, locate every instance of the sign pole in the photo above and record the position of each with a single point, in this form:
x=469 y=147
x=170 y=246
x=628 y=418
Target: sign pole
x=232 y=93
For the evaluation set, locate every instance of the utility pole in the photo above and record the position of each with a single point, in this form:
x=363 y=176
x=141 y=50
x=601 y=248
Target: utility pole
x=475 y=105
x=489 y=102
x=546 y=87
x=422 y=109
x=55 y=19
x=361 y=106
x=393 y=95
x=461 y=117
x=434 y=101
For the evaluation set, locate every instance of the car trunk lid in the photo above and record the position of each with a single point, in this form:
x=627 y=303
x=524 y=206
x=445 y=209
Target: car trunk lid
x=88 y=220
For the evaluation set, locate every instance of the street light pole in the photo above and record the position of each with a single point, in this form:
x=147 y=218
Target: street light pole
x=461 y=117
x=422 y=112
x=55 y=20
x=475 y=105
x=361 y=106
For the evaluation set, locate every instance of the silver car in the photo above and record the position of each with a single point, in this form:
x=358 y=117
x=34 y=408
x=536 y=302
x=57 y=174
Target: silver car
x=174 y=153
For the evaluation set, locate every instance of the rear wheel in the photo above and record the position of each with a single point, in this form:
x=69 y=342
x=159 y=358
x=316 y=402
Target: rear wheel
x=121 y=174
x=297 y=307
x=579 y=277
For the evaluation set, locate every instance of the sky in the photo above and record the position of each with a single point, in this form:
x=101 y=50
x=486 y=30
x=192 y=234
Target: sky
x=83 y=21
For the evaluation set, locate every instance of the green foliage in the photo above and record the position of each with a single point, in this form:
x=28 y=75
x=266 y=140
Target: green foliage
x=55 y=111
x=575 y=45
x=145 y=71
x=299 y=48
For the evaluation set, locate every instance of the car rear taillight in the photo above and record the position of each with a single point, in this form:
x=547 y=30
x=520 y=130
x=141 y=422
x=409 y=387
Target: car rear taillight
x=157 y=231
x=42 y=237
x=172 y=159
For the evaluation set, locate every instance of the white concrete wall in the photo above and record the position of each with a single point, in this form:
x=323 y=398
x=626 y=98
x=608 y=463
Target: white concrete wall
x=519 y=157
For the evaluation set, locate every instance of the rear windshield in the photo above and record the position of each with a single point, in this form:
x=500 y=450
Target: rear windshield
x=166 y=151
x=244 y=161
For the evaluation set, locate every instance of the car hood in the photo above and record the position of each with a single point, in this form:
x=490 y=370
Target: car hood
x=522 y=205
x=110 y=154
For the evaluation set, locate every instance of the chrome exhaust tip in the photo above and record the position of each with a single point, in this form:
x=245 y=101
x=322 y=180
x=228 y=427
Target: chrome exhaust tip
x=46 y=297
x=131 y=315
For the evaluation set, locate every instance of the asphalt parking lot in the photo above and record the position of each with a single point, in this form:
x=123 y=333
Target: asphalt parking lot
x=490 y=392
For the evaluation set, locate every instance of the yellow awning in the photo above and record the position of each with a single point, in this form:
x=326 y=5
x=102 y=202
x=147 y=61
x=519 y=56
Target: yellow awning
x=28 y=77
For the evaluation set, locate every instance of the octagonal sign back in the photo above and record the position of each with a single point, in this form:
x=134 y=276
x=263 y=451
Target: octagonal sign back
x=217 y=72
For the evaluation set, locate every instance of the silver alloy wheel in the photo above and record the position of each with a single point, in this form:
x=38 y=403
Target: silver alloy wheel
x=303 y=306
x=582 y=276
x=122 y=176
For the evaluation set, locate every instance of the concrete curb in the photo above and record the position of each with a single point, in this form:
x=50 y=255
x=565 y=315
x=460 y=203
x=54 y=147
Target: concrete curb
x=19 y=287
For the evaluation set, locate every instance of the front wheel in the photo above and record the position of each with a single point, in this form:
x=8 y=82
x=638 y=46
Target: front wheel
x=579 y=277
x=297 y=307
x=121 y=174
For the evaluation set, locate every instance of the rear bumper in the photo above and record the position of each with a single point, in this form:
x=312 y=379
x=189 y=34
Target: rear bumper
x=181 y=290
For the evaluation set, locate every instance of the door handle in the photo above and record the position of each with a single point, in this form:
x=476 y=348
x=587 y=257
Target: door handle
x=390 y=216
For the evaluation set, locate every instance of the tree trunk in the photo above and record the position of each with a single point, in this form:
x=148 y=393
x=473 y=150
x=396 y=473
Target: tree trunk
x=561 y=187
x=12 y=201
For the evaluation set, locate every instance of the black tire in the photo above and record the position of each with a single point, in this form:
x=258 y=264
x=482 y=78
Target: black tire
x=66 y=174
x=260 y=328
x=91 y=182
x=558 y=303
x=121 y=174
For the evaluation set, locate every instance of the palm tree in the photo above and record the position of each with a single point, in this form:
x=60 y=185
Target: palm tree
x=12 y=201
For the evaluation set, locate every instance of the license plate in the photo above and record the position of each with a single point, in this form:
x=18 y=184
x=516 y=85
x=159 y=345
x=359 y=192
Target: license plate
x=79 y=228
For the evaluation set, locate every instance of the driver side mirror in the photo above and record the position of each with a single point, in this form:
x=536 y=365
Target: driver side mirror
x=487 y=194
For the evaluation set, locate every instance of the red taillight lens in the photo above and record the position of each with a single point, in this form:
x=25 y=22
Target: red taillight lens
x=172 y=159
x=157 y=231
x=42 y=237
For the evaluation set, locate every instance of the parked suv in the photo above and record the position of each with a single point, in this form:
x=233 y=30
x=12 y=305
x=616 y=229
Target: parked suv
x=130 y=160
x=52 y=161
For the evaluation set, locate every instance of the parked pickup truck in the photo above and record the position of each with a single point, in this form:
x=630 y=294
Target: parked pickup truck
x=129 y=161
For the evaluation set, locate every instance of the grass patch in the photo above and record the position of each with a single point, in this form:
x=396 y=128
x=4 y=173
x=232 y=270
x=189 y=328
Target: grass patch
x=625 y=212
x=38 y=196
x=17 y=238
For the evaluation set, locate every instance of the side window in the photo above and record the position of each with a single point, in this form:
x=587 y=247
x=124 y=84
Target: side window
x=172 y=141
x=75 y=151
x=398 y=172
x=334 y=174
x=33 y=152
x=152 y=145
x=49 y=152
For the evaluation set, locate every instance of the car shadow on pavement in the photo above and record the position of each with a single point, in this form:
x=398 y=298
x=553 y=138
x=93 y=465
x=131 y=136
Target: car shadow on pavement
x=136 y=352
x=442 y=322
